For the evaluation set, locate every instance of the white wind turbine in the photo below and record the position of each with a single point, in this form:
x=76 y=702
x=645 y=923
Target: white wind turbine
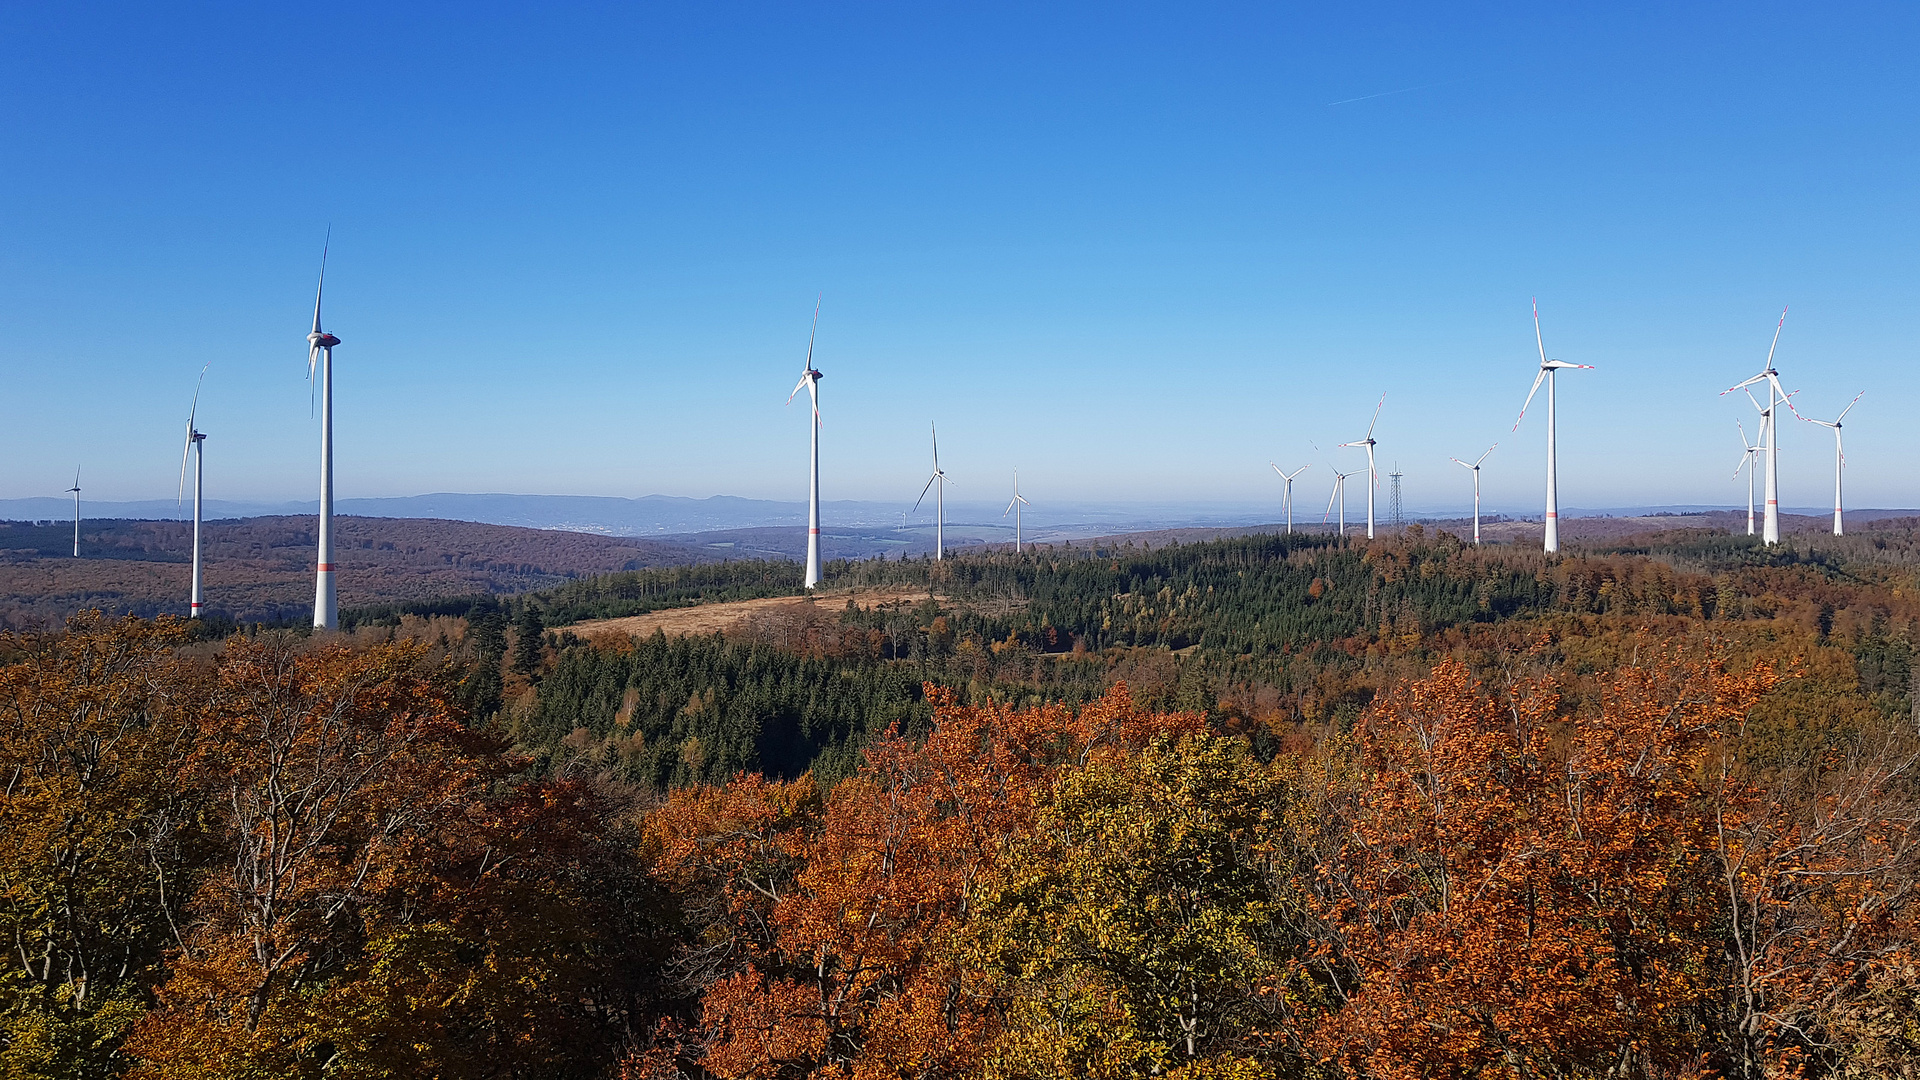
x=1748 y=461
x=1839 y=455
x=76 y=511
x=1547 y=370
x=1475 y=468
x=940 y=500
x=810 y=379
x=1287 y=499
x=195 y=445
x=326 y=608
x=1769 y=431
x=1373 y=480
x=1013 y=507
x=1340 y=493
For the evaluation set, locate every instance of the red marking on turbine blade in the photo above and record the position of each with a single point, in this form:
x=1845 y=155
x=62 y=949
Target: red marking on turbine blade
x=813 y=532
x=325 y=567
x=1553 y=514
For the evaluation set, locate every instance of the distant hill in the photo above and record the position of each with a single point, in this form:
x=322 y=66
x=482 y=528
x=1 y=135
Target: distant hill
x=261 y=569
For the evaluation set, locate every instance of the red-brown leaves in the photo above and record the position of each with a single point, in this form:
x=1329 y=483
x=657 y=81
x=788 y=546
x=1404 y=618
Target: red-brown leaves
x=1518 y=898
x=853 y=970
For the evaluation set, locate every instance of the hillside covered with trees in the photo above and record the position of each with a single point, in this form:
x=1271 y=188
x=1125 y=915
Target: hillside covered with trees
x=1264 y=806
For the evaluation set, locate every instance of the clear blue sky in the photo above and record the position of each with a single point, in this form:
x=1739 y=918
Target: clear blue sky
x=1136 y=251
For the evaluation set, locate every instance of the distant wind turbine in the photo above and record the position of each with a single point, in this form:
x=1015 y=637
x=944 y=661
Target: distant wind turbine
x=810 y=379
x=1373 y=480
x=1769 y=431
x=1750 y=462
x=76 y=511
x=1839 y=455
x=1287 y=499
x=326 y=608
x=195 y=445
x=1475 y=468
x=1340 y=493
x=1547 y=370
x=940 y=500
x=1013 y=507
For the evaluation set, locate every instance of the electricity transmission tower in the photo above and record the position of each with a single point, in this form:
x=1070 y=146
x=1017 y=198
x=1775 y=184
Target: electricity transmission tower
x=1393 y=507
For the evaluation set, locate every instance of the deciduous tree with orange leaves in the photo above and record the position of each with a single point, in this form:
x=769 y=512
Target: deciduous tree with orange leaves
x=1523 y=893
x=855 y=970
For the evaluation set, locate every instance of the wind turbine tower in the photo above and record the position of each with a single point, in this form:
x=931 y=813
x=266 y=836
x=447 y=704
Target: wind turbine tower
x=940 y=500
x=195 y=445
x=1475 y=469
x=1839 y=455
x=1769 y=431
x=326 y=607
x=1013 y=507
x=1287 y=500
x=1373 y=478
x=810 y=379
x=1547 y=370
x=1748 y=461
x=76 y=511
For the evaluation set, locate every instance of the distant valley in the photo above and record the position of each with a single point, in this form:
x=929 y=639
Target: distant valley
x=260 y=569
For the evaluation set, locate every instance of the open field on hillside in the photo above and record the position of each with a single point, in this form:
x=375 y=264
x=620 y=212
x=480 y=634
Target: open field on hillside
x=728 y=617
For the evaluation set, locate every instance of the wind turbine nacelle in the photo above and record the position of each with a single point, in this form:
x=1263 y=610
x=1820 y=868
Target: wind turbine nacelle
x=323 y=340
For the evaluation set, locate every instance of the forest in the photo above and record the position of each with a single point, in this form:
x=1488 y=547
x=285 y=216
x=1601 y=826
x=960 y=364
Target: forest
x=1261 y=807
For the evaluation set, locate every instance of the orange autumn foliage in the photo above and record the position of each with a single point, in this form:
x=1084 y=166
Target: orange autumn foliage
x=1520 y=895
x=843 y=927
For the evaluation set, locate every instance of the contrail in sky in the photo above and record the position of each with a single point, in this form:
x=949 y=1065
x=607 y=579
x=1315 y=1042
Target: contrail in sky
x=1390 y=93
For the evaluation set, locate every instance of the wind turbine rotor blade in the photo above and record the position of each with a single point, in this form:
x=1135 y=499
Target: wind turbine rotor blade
x=1776 y=336
x=180 y=496
x=815 y=330
x=1850 y=405
x=1483 y=457
x=1537 y=339
x=931 y=426
x=195 y=410
x=1537 y=380
x=320 y=290
x=797 y=387
x=923 y=492
x=1376 y=415
x=1774 y=381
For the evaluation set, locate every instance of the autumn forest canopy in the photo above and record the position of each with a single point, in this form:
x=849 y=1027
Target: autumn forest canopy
x=1263 y=807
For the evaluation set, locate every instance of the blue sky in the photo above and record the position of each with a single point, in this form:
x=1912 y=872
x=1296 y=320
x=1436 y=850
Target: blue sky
x=1135 y=251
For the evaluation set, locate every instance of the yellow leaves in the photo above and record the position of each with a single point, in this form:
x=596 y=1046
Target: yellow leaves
x=1124 y=930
